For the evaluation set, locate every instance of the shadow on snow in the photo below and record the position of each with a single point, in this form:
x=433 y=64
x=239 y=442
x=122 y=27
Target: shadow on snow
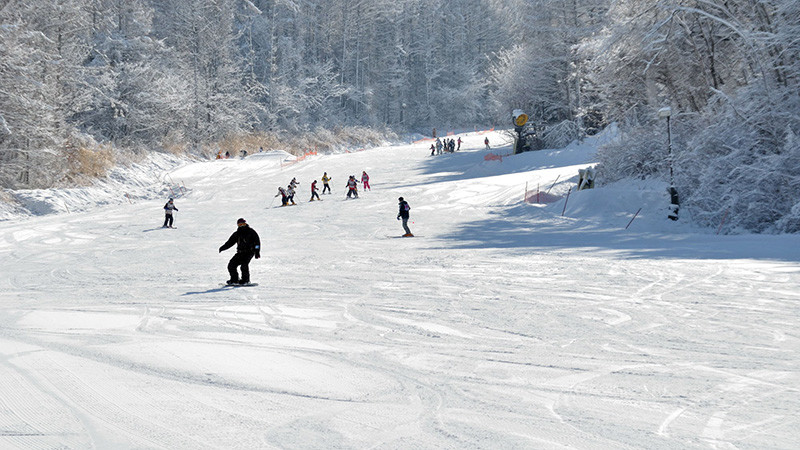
x=526 y=228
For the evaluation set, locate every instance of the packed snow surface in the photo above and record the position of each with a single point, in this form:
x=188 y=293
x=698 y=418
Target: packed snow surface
x=502 y=324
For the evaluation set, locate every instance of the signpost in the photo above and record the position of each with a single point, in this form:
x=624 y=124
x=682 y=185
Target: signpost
x=520 y=119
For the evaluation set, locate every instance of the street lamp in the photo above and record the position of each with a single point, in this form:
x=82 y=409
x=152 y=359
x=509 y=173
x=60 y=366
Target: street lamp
x=673 y=193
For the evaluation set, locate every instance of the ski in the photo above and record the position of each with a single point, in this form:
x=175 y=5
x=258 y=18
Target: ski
x=238 y=285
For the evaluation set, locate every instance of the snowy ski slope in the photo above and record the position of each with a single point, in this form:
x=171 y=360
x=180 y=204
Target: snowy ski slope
x=501 y=325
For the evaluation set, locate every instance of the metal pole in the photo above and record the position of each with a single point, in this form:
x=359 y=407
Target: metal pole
x=565 y=202
x=634 y=216
x=669 y=152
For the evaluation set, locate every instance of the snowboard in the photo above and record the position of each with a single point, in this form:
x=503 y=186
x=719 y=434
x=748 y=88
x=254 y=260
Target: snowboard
x=238 y=285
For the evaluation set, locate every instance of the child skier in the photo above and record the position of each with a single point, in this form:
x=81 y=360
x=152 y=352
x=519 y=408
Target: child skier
x=325 y=186
x=168 y=208
x=352 y=187
x=283 y=194
x=290 y=194
x=314 y=191
x=365 y=181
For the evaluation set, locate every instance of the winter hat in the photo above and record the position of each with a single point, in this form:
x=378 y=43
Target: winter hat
x=240 y=221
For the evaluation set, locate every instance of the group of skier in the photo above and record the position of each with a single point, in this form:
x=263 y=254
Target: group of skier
x=448 y=145
x=287 y=194
x=247 y=241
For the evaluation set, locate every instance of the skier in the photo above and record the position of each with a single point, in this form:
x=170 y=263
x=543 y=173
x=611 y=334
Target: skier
x=438 y=146
x=290 y=194
x=325 y=186
x=459 y=144
x=284 y=196
x=486 y=142
x=433 y=150
x=352 y=187
x=248 y=245
x=293 y=184
x=168 y=208
x=314 y=191
x=403 y=214
x=365 y=180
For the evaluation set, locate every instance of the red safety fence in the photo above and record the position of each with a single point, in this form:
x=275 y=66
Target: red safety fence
x=302 y=157
x=493 y=157
x=541 y=197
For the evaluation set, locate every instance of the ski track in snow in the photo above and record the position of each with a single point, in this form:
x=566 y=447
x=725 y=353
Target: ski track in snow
x=502 y=325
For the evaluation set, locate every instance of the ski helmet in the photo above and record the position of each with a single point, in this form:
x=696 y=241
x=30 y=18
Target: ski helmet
x=400 y=199
x=240 y=221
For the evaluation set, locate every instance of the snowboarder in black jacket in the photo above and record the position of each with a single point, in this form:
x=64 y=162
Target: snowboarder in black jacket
x=403 y=214
x=248 y=245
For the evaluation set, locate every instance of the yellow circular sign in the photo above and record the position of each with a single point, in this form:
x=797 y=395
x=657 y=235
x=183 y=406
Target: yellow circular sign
x=521 y=120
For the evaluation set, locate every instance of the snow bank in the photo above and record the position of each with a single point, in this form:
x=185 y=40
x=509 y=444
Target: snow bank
x=145 y=180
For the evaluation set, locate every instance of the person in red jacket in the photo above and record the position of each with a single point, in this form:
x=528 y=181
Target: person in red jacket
x=314 y=191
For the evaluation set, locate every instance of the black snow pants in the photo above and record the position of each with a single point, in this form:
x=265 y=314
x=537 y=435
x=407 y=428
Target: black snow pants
x=240 y=259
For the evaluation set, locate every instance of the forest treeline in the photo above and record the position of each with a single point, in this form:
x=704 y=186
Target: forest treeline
x=83 y=80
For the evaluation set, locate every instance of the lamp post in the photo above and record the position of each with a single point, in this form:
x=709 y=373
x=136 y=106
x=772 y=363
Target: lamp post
x=673 y=193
